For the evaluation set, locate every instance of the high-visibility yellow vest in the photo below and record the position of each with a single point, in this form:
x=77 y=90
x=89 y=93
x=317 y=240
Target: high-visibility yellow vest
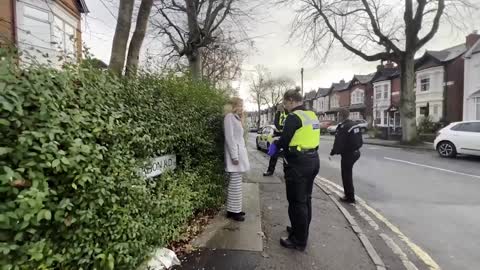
x=308 y=136
x=283 y=116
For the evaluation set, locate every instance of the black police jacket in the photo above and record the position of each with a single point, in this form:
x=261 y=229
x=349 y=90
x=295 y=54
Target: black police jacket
x=348 y=138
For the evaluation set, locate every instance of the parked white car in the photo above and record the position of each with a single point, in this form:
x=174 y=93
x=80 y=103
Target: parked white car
x=459 y=138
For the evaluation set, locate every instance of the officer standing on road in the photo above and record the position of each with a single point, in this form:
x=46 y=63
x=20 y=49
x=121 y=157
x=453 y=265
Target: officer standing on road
x=348 y=141
x=279 y=121
x=299 y=140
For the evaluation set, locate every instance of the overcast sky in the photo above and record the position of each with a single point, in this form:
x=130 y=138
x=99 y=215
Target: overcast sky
x=272 y=48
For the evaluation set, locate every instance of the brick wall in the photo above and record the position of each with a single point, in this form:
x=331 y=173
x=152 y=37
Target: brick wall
x=7 y=34
x=454 y=95
x=396 y=88
x=344 y=98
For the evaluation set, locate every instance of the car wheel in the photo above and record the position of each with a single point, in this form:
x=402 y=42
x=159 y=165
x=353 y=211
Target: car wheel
x=446 y=149
x=258 y=146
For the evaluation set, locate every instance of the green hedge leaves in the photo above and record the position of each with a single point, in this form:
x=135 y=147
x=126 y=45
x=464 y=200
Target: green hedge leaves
x=72 y=142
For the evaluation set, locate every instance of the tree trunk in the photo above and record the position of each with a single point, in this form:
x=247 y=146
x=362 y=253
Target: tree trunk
x=259 y=116
x=120 y=39
x=138 y=37
x=407 y=101
x=195 y=63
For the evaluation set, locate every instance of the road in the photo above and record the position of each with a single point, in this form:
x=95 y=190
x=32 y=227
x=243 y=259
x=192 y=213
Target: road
x=434 y=201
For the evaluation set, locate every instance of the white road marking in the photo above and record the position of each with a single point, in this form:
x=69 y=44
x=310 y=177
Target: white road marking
x=432 y=265
x=432 y=167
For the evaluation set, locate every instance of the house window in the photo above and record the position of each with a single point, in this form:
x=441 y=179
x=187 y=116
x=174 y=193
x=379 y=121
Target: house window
x=385 y=91
x=356 y=116
x=385 y=117
x=382 y=92
x=64 y=36
x=378 y=118
x=424 y=111
x=378 y=92
x=36 y=27
x=435 y=109
x=424 y=84
x=477 y=108
x=396 y=115
x=358 y=97
x=335 y=101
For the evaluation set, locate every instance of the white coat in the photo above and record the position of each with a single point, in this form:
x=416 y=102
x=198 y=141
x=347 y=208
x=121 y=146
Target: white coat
x=235 y=148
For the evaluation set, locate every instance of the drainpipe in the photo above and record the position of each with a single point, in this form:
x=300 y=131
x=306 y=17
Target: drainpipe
x=445 y=88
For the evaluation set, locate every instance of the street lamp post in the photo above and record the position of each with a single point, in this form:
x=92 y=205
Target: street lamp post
x=301 y=73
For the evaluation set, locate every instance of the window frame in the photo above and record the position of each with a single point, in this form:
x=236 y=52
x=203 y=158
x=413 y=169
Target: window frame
x=358 y=96
x=427 y=83
x=48 y=21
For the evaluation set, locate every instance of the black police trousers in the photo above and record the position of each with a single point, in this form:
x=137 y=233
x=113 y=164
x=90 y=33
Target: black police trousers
x=272 y=164
x=300 y=172
x=348 y=160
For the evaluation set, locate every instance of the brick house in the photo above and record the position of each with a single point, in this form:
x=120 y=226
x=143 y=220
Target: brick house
x=471 y=96
x=48 y=31
x=440 y=82
x=360 y=91
x=322 y=102
x=339 y=98
x=309 y=99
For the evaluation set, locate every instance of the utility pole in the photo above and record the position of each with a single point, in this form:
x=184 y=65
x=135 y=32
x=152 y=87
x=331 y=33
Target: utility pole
x=301 y=73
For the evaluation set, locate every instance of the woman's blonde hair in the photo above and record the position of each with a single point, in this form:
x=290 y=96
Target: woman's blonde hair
x=232 y=103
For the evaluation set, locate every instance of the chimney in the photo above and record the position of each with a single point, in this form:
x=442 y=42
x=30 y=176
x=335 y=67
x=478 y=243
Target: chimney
x=389 y=64
x=342 y=81
x=472 y=39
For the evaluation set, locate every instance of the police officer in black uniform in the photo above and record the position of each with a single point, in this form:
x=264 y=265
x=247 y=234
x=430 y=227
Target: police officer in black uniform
x=279 y=121
x=299 y=141
x=348 y=141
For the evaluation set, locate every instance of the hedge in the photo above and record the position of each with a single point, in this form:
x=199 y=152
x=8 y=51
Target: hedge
x=72 y=142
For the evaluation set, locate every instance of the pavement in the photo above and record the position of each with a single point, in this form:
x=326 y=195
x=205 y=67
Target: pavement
x=336 y=240
x=387 y=143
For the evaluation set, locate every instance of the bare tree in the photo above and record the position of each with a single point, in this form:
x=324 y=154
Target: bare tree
x=376 y=30
x=138 y=37
x=258 y=88
x=275 y=88
x=120 y=39
x=191 y=25
x=221 y=62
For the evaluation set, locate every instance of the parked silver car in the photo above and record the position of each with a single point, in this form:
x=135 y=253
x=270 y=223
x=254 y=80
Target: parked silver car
x=363 y=124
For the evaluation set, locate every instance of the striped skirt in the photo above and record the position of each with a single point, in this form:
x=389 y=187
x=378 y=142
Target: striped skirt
x=234 y=195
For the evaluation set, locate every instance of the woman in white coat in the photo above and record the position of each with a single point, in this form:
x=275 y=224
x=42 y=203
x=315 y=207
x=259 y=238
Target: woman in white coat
x=236 y=157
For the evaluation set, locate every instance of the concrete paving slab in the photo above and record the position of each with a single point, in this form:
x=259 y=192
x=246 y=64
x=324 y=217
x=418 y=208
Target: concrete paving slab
x=223 y=233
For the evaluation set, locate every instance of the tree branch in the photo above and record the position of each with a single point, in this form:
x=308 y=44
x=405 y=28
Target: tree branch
x=333 y=30
x=376 y=29
x=435 y=26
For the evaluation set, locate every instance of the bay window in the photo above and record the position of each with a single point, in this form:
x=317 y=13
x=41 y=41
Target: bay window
x=358 y=97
